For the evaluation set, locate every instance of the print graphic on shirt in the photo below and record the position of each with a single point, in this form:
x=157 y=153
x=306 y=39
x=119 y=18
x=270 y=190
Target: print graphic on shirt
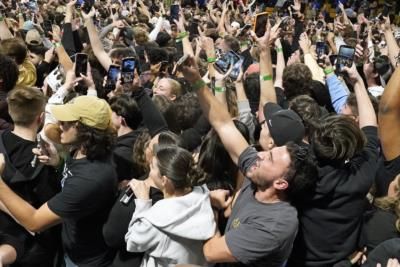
x=65 y=174
x=235 y=223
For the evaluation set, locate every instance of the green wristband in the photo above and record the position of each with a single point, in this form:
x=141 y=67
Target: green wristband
x=328 y=71
x=219 y=89
x=279 y=49
x=58 y=44
x=183 y=35
x=266 y=78
x=197 y=85
x=1 y=18
x=211 y=59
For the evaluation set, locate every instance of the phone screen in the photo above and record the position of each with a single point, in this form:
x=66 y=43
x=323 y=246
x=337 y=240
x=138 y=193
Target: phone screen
x=113 y=73
x=79 y=3
x=345 y=57
x=127 y=70
x=225 y=61
x=174 y=13
x=320 y=48
x=236 y=69
x=261 y=23
x=81 y=61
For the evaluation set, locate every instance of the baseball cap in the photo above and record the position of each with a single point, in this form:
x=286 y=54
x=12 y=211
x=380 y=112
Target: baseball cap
x=284 y=125
x=33 y=37
x=89 y=110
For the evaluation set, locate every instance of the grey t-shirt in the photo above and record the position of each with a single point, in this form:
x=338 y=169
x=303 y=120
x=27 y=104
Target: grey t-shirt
x=259 y=234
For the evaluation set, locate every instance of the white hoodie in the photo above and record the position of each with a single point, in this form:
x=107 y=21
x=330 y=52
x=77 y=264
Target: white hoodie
x=173 y=230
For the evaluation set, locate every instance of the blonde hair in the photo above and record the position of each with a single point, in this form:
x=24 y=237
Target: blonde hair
x=176 y=87
x=25 y=104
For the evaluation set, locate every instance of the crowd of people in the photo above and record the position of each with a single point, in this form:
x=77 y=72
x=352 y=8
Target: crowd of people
x=199 y=133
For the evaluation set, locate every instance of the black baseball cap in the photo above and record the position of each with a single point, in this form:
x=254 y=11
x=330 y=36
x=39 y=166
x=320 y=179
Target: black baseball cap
x=284 y=125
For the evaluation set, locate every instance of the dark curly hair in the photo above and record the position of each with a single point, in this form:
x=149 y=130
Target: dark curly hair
x=8 y=73
x=189 y=109
x=98 y=144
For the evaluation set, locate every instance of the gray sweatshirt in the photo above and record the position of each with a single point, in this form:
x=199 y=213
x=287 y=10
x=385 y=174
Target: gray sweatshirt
x=172 y=231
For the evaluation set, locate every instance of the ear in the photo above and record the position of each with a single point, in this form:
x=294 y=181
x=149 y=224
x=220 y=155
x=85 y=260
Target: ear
x=271 y=143
x=41 y=118
x=281 y=184
x=172 y=97
x=122 y=120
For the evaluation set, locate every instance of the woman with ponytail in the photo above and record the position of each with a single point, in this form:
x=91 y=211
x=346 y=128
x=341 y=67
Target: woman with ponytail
x=173 y=230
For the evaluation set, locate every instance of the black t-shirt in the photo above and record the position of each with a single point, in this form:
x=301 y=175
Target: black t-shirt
x=19 y=151
x=88 y=192
x=116 y=227
x=330 y=222
x=387 y=171
x=379 y=225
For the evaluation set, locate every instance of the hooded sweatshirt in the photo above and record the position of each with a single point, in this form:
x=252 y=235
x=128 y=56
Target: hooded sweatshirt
x=173 y=230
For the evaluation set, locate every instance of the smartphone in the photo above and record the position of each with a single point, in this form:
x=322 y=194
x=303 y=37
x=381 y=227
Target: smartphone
x=345 y=57
x=182 y=60
x=260 y=24
x=237 y=67
x=332 y=59
x=244 y=30
x=319 y=25
x=47 y=27
x=224 y=62
x=320 y=48
x=81 y=61
x=79 y=3
x=112 y=77
x=14 y=4
x=174 y=13
x=128 y=70
x=87 y=6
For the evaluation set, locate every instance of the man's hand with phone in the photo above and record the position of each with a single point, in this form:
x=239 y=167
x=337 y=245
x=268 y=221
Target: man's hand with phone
x=353 y=74
x=47 y=153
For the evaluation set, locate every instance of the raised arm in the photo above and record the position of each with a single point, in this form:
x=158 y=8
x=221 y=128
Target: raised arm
x=389 y=117
x=217 y=115
x=95 y=42
x=4 y=31
x=366 y=112
x=267 y=91
x=391 y=42
x=280 y=64
x=32 y=219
